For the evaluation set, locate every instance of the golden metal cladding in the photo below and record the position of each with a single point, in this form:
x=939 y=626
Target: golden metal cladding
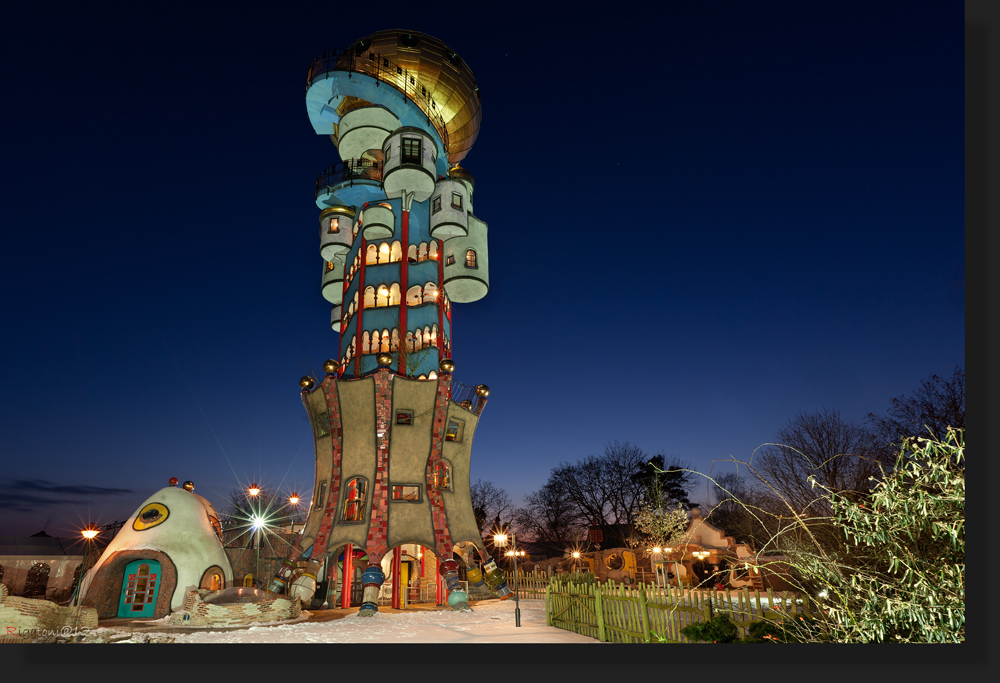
x=340 y=210
x=459 y=173
x=307 y=382
x=445 y=75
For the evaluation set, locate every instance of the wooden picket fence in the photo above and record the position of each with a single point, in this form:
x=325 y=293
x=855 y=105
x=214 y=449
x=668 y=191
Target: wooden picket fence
x=529 y=586
x=614 y=613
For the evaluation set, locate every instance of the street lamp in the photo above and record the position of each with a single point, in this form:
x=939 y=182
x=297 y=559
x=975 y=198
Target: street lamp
x=500 y=541
x=89 y=533
x=253 y=490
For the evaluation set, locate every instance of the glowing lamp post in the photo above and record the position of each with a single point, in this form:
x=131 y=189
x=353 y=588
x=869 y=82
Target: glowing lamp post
x=89 y=533
x=500 y=541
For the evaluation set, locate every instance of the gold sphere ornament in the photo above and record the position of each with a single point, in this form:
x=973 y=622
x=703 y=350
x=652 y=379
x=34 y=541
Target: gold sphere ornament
x=384 y=359
x=482 y=391
x=331 y=366
x=189 y=486
x=307 y=383
x=447 y=366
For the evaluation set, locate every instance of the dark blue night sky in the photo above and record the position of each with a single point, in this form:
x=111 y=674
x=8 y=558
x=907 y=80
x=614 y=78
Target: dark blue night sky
x=703 y=219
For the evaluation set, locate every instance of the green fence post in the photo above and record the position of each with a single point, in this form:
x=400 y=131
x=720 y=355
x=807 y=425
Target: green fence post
x=599 y=610
x=548 y=606
x=644 y=613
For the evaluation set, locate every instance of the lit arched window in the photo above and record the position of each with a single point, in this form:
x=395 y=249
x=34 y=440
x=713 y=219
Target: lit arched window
x=383 y=253
x=411 y=253
x=365 y=343
x=394 y=294
x=384 y=341
x=248 y=581
x=371 y=255
x=470 y=258
x=394 y=346
x=329 y=266
x=369 y=297
x=422 y=252
x=427 y=335
x=396 y=253
x=409 y=342
x=432 y=375
x=430 y=292
x=442 y=475
x=414 y=295
x=434 y=250
x=354 y=501
x=382 y=296
x=434 y=334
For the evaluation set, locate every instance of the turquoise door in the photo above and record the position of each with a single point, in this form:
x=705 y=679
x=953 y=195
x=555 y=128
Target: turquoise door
x=139 y=589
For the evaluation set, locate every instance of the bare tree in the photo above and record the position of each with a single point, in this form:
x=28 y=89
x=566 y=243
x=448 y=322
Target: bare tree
x=939 y=403
x=842 y=457
x=491 y=504
x=549 y=517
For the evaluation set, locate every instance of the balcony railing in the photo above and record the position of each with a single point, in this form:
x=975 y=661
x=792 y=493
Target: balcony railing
x=463 y=392
x=360 y=60
x=347 y=172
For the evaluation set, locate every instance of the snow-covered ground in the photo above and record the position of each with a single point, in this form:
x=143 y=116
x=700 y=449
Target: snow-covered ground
x=492 y=621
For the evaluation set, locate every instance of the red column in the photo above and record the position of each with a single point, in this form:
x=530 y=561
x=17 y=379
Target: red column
x=403 y=285
x=438 y=581
x=440 y=301
x=345 y=592
x=397 y=570
x=358 y=330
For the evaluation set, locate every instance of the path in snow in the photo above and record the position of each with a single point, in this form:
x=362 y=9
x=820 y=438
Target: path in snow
x=492 y=621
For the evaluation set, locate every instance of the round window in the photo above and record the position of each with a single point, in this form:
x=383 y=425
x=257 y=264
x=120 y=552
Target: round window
x=150 y=516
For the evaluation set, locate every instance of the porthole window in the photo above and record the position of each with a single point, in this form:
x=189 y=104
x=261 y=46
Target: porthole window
x=150 y=516
x=409 y=40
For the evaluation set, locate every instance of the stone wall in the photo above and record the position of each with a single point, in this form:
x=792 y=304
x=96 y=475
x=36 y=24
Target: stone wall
x=25 y=619
x=200 y=613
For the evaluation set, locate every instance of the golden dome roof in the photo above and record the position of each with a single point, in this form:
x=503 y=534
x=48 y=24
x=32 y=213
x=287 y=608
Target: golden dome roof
x=435 y=66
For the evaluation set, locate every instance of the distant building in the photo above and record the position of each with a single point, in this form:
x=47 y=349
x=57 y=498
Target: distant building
x=43 y=566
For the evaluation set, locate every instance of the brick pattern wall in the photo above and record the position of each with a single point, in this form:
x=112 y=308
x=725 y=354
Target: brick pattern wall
x=105 y=590
x=330 y=512
x=271 y=608
x=442 y=537
x=377 y=544
x=274 y=548
x=22 y=618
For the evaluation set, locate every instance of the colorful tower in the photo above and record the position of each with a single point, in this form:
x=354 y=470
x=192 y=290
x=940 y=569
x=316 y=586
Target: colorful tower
x=400 y=244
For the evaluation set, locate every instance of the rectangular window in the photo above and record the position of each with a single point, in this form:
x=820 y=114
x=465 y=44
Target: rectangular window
x=454 y=430
x=354 y=501
x=406 y=492
x=436 y=205
x=320 y=492
x=450 y=261
x=411 y=151
x=334 y=227
x=456 y=200
x=404 y=417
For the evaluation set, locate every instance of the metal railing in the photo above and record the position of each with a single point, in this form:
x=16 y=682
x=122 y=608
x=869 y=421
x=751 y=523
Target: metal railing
x=462 y=392
x=359 y=59
x=347 y=172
